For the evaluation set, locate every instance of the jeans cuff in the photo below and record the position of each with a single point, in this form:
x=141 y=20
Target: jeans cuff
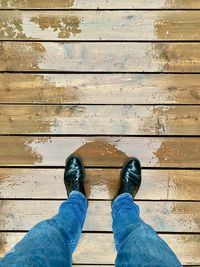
x=81 y=197
x=124 y=201
x=74 y=192
x=121 y=196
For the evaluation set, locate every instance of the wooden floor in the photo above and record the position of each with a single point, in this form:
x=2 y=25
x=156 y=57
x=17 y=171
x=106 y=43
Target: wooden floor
x=106 y=80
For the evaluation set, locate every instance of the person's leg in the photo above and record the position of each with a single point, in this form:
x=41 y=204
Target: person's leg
x=137 y=244
x=52 y=242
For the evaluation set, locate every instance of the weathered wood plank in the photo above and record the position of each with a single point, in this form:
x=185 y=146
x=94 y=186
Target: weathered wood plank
x=100 y=88
x=90 y=120
x=95 y=25
x=162 y=216
x=100 y=151
x=102 y=57
x=185 y=246
x=96 y=4
x=94 y=248
x=100 y=184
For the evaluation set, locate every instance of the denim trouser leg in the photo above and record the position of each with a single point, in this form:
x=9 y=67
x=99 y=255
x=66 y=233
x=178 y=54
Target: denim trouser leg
x=137 y=243
x=51 y=242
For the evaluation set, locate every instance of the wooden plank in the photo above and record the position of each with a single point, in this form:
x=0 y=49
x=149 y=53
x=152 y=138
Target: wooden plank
x=100 y=184
x=162 y=216
x=103 y=4
x=93 y=248
x=100 y=88
x=90 y=120
x=100 y=151
x=185 y=246
x=102 y=57
x=95 y=25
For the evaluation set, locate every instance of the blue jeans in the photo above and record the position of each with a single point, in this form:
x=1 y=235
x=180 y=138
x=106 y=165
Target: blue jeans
x=52 y=242
x=137 y=244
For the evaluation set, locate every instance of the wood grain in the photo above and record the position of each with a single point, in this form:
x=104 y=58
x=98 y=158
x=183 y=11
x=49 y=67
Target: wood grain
x=100 y=88
x=95 y=25
x=90 y=120
x=93 y=248
x=157 y=46
x=103 y=4
x=100 y=184
x=162 y=216
x=100 y=57
x=100 y=151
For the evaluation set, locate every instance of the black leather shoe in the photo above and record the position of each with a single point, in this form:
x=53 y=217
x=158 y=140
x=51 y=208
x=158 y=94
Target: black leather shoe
x=74 y=175
x=130 y=177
